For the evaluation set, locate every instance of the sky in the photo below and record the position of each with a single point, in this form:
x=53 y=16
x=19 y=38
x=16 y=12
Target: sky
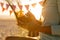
x=6 y=14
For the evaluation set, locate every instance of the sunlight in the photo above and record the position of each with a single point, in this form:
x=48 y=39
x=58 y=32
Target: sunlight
x=36 y=10
x=27 y=2
x=34 y=7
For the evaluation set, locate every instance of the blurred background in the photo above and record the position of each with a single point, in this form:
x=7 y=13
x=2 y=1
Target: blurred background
x=50 y=12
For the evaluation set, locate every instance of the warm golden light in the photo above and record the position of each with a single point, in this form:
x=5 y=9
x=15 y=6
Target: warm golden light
x=42 y=18
x=33 y=6
x=27 y=2
x=36 y=10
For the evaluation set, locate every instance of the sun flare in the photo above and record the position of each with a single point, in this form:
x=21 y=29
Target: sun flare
x=33 y=6
x=36 y=9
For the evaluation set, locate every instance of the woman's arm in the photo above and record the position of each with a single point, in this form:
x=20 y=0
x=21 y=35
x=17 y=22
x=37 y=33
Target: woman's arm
x=44 y=29
x=31 y=24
